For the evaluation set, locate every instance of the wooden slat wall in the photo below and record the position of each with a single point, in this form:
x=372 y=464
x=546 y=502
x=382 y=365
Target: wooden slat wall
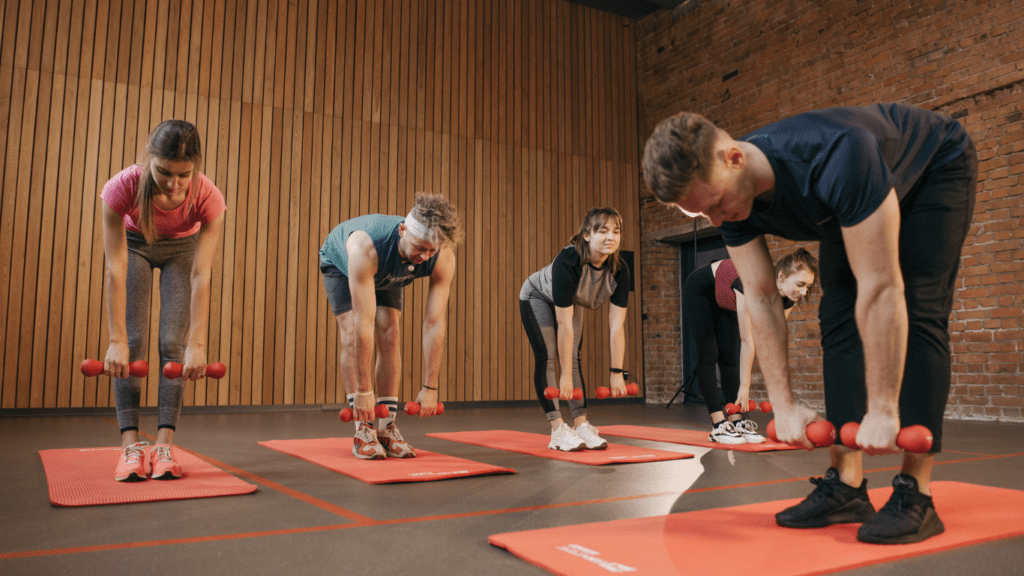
x=523 y=112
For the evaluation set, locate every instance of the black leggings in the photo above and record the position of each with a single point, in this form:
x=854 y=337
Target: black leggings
x=715 y=332
x=934 y=220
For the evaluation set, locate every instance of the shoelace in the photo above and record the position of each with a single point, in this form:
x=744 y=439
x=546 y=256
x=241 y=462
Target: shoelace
x=748 y=426
x=394 y=434
x=588 y=428
x=824 y=488
x=133 y=454
x=898 y=502
x=163 y=453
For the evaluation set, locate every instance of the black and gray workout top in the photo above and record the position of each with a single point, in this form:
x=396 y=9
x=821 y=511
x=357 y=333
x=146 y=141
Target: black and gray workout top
x=383 y=231
x=565 y=282
x=834 y=167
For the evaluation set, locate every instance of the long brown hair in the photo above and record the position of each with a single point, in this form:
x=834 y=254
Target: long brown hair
x=175 y=140
x=595 y=218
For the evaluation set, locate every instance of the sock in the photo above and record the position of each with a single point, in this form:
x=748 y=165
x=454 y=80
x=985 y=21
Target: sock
x=352 y=404
x=392 y=403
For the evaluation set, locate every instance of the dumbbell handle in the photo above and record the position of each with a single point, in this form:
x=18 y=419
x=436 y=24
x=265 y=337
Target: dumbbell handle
x=917 y=438
x=138 y=369
x=216 y=370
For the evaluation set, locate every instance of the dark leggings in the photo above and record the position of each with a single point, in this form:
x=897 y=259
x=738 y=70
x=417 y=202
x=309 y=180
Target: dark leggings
x=715 y=333
x=934 y=221
x=174 y=259
x=542 y=331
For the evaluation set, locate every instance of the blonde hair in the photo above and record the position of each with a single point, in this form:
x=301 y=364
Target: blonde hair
x=439 y=217
x=175 y=140
x=592 y=222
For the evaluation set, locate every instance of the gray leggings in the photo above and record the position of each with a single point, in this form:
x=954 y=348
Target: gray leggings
x=174 y=259
x=541 y=329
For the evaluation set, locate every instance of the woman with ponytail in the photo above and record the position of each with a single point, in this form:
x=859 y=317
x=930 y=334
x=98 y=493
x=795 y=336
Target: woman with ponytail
x=716 y=321
x=162 y=213
x=585 y=274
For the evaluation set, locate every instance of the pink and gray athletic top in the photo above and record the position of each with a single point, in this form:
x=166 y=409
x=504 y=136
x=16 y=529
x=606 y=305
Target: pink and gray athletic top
x=204 y=203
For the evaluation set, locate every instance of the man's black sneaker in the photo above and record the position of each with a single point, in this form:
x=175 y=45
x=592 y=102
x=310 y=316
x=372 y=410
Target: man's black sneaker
x=907 y=517
x=832 y=502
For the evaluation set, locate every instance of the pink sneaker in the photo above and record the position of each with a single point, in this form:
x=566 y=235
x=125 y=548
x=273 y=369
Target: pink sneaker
x=164 y=466
x=131 y=467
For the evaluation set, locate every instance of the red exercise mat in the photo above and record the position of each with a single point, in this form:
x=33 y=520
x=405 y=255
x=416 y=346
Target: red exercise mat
x=537 y=445
x=336 y=454
x=666 y=545
x=688 y=437
x=85 y=477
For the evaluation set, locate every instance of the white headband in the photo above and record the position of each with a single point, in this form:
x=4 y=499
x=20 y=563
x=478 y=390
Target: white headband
x=415 y=227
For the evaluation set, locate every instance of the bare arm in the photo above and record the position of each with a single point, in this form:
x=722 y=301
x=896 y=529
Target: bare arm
x=747 y=349
x=771 y=337
x=115 y=251
x=435 y=326
x=881 y=313
x=202 y=265
x=565 y=340
x=616 y=324
x=362 y=265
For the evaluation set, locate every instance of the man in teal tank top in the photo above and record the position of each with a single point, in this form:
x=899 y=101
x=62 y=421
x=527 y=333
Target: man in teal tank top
x=366 y=263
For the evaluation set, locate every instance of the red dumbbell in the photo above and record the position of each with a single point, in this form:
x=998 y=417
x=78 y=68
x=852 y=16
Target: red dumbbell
x=765 y=407
x=821 y=433
x=380 y=411
x=731 y=408
x=216 y=370
x=916 y=438
x=602 y=392
x=138 y=369
x=413 y=408
x=551 y=393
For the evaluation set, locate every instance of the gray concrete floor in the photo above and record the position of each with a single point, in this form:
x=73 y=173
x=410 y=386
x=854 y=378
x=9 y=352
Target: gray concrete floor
x=429 y=528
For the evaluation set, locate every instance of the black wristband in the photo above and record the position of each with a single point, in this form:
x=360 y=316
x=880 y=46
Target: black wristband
x=618 y=371
x=429 y=388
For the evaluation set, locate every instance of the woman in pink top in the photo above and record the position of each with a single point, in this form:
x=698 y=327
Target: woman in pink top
x=161 y=214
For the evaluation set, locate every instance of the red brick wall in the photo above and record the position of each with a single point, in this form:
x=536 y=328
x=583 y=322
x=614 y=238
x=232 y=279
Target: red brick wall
x=747 y=64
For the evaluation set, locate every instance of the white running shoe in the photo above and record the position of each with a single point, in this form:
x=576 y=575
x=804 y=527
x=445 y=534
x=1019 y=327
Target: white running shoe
x=565 y=439
x=365 y=445
x=748 y=429
x=588 y=434
x=726 y=433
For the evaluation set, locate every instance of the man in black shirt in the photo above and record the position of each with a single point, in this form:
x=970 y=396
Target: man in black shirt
x=888 y=190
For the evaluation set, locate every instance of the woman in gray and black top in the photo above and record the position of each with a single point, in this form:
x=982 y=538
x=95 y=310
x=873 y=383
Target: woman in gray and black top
x=586 y=274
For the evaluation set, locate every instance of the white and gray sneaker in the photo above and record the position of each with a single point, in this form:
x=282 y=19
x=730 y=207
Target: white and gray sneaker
x=726 y=433
x=748 y=428
x=565 y=439
x=591 y=440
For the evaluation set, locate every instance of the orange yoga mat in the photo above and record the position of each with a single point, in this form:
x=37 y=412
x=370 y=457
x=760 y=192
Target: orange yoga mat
x=537 y=445
x=688 y=437
x=336 y=454
x=85 y=477
x=664 y=545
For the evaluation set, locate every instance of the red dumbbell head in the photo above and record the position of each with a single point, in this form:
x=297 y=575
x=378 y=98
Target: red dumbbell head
x=766 y=407
x=731 y=408
x=848 y=434
x=751 y=405
x=92 y=367
x=551 y=393
x=771 y=431
x=172 y=370
x=603 y=392
x=345 y=414
x=216 y=370
x=440 y=408
x=412 y=408
x=916 y=438
x=632 y=388
x=381 y=411
x=821 y=433
x=139 y=368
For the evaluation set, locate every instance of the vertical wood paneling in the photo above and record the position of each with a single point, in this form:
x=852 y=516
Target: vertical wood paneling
x=522 y=112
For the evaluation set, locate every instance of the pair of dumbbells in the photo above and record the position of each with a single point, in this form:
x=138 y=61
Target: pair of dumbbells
x=602 y=392
x=765 y=407
x=140 y=369
x=381 y=411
